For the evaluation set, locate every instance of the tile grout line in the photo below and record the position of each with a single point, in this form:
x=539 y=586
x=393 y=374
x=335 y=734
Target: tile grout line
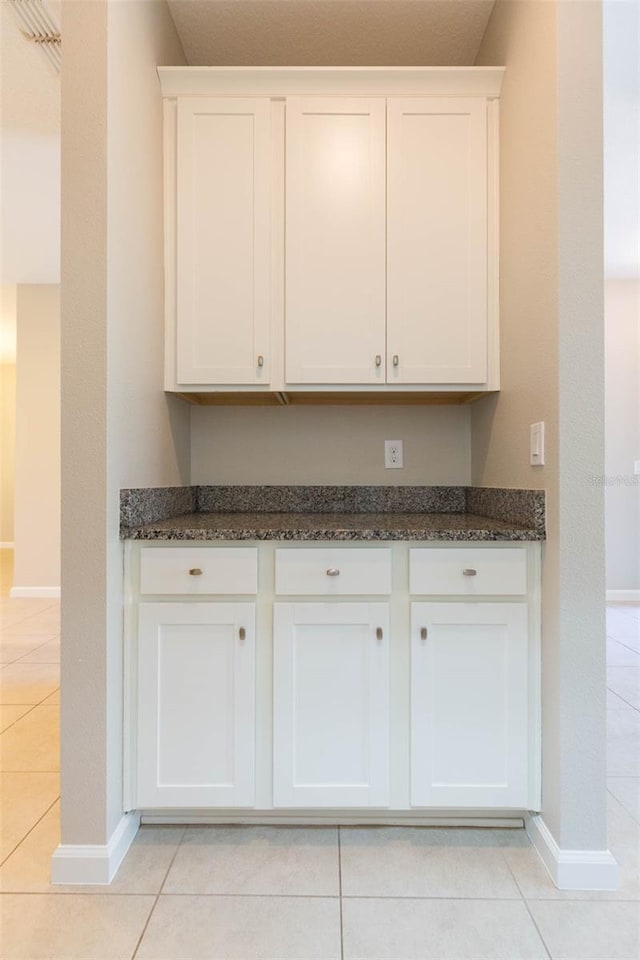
x=32 y=707
x=637 y=709
x=526 y=905
x=31 y=828
x=158 y=895
x=624 y=644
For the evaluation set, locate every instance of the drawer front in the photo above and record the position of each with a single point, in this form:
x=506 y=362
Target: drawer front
x=333 y=572
x=196 y=571
x=466 y=571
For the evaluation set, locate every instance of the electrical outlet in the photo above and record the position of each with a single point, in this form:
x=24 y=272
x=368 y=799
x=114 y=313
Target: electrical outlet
x=393 y=454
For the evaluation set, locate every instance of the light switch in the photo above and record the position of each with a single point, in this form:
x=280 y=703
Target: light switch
x=536 y=444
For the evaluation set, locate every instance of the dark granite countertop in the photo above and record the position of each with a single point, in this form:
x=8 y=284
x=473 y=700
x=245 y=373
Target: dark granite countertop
x=262 y=525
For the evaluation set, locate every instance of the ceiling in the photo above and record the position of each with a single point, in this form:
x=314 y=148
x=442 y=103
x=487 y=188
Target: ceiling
x=331 y=32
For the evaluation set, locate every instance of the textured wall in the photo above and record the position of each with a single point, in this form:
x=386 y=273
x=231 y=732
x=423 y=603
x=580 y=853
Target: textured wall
x=331 y=445
x=552 y=370
x=37 y=450
x=7 y=448
x=118 y=429
x=622 y=431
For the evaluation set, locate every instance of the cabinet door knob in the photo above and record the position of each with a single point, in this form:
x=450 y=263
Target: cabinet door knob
x=396 y=360
x=378 y=360
x=195 y=572
x=260 y=360
x=423 y=633
x=469 y=572
x=242 y=633
x=379 y=633
x=333 y=572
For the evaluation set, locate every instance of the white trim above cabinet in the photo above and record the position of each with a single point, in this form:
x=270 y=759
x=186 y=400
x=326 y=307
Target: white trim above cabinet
x=331 y=233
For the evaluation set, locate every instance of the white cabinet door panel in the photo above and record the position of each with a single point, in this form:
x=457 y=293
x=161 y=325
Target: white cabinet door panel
x=223 y=241
x=196 y=704
x=469 y=705
x=331 y=705
x=335 y=240
x=437 y=240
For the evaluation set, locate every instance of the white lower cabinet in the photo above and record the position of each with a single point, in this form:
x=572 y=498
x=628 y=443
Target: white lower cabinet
x=196 y=705
x=397 y=678
x=331 y=705
x=469 y=705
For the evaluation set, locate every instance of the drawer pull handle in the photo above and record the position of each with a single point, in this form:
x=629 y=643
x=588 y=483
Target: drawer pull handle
x=396 y=360
x=379 y=633
x=378 y=360
x=423 y=633
x=260 y=360
x=469 y=572
x=195 y=572
x=333 y=572
x=242 y=633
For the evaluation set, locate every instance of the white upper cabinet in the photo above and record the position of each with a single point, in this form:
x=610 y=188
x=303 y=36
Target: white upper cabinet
x=223 y=241
x=437 y=240
x=335 y=240
x=331 y=230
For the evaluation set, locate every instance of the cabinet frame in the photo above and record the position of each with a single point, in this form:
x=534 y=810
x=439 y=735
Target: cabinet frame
x=399 y=810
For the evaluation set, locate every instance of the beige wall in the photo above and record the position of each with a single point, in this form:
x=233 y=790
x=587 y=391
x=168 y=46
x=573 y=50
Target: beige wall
x=36 y=566
x=7 y=449
x=622 y=432
x=327 y=445
x=8 y=298
x=552 y=370
x=118 y=429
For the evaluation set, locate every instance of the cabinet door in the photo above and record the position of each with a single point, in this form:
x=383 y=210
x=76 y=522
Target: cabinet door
x=437 y=240
x=331 y=705
x=223 y=241
x=335 y=240
x=196 y=704
x=469 y=705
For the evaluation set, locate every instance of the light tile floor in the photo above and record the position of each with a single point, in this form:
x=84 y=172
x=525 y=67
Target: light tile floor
x=239 y=893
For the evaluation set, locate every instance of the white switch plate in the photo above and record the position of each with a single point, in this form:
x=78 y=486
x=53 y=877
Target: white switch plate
x=536 y=444
x=636 y=467
x=393 y=454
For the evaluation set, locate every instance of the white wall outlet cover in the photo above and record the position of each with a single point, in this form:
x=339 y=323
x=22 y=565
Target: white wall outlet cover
x=393 y=454
x=636 y=467
x=536 y=444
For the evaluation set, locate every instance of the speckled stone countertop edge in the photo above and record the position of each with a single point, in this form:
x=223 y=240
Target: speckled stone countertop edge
x=150 y=533
x=348 y=513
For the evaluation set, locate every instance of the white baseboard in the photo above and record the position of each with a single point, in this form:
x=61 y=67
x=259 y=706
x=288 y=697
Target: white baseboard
x=623 y=596
x=94 y=863
x=32 y=593
x=572 y=869
x=6 y=544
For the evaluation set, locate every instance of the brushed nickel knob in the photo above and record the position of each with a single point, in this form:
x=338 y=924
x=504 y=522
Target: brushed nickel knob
x=242 y=633
x=469 y=572
x=333 y=572
x=260 y=360
x=379 y=633
x=423 y=633
x=396 y=360
x=195 y=572
x=378 y=360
